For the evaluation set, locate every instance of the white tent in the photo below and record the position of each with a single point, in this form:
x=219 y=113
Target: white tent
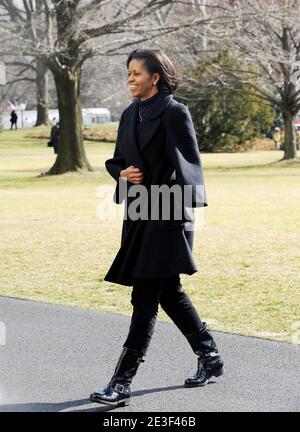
x=89 y=115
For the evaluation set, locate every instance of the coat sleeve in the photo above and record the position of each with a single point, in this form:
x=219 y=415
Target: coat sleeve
x=184 y=155
x=116 y=164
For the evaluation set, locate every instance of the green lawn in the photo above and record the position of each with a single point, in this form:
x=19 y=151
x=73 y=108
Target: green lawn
x=59 y=236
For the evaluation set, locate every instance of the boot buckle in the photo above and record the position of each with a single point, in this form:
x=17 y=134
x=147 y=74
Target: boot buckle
x=140 y=359
x=119 y=387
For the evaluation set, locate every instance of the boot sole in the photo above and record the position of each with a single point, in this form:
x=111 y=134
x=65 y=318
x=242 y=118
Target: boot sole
x=215 y=374
x=116 y=404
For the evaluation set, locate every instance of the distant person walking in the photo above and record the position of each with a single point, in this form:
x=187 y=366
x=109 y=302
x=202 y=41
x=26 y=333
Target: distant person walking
x=13 y=119
x=276 y=137
x=54 y=137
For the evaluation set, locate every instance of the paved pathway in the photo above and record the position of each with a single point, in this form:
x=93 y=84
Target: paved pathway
x=55 y=356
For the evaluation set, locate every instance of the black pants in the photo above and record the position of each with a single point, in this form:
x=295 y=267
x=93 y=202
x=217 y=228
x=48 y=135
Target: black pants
x=146 y=296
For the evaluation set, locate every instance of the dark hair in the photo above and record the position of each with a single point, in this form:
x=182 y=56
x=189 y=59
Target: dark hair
x=156 y=61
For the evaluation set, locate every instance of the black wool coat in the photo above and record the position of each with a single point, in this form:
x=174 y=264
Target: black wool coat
x=164 y=147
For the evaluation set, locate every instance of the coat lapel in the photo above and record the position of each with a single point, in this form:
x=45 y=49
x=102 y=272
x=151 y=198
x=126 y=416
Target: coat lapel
x=129 y=142
x=151 y=122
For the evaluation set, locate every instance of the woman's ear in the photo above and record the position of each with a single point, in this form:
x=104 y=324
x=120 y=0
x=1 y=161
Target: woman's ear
x=157 y=78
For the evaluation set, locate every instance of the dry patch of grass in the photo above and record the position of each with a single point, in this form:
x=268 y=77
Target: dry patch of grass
x=96 y=132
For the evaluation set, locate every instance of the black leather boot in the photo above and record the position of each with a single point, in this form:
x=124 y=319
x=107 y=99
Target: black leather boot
x=210 y=362
x=117 y=391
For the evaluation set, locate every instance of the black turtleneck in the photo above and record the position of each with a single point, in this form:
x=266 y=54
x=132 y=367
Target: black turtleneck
x=144 y=105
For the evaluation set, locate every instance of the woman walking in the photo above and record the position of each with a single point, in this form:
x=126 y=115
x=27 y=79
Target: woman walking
x=156 y=152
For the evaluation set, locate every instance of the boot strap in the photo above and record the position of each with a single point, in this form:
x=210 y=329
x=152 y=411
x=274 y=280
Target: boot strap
x=119 y=387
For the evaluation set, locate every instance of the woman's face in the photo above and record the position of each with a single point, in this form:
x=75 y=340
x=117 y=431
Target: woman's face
x=140 y=81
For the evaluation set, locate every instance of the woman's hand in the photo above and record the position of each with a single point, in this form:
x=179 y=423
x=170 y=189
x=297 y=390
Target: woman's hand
x=132 y=174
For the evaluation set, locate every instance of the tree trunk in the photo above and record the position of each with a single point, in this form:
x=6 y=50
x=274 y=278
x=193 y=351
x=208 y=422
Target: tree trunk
x=42 y=94
x=290 y=150
x=71 y=154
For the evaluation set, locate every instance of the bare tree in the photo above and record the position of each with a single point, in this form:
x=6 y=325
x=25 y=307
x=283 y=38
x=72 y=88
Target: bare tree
x=268 y=39
x=35 y=72
x=58 y=33
x=14 y=16
x=265 y=36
